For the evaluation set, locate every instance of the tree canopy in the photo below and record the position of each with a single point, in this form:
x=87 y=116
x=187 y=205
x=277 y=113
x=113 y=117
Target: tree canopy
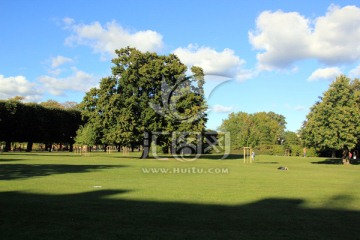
x=146 y=93
x=34 y=123
x=250 y=130
x=333 y=122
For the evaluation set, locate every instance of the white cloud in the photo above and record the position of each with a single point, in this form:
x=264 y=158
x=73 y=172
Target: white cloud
x=285 y=38
x=297 y=108
x=282 y=36
x=337 y=34
x=106 y=39
x=78 y=81
x=355 y=73
x=68 y=21
x=222 y=109
x=300 y=108
x=59 y=60
x=325 y=74
x=224 y=63
x=18 y=86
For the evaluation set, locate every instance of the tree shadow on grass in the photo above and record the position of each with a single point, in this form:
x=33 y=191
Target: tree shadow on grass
x=329 y=161
x=220 y=157
x=266 y=162
x=42 y=154
x=239 y=157
x=201 y=156
x=98 y=215
x=11 y=160
x=22 y=171
x=190 y=157
x=336 y=161
x=355 y=162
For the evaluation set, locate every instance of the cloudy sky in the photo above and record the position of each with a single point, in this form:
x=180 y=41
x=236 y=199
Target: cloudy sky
x=257 y=55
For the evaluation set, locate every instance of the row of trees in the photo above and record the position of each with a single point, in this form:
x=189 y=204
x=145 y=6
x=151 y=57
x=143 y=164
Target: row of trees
x=146 y=93
x=34 y=123
x=331 y=127
x=150 y=94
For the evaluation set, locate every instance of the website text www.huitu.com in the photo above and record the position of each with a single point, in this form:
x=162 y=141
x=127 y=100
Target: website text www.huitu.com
x=184 y=170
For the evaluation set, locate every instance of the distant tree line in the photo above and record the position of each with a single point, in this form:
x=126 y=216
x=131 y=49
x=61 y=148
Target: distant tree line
x=34 y=123
x=153 y=94
x=332 y=127
x=265 y=133
x=250 y=130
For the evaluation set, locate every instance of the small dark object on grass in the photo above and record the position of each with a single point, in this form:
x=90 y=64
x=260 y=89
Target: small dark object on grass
x=283 y=168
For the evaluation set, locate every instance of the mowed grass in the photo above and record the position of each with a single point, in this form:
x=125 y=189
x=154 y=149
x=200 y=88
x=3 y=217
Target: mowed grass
x=112 y=196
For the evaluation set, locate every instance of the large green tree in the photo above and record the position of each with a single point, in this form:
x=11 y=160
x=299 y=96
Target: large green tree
x=254 y=129
x=333 y=122
x=146 y=93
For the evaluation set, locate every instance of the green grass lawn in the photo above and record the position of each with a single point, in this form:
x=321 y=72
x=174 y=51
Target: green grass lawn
x=112 y=196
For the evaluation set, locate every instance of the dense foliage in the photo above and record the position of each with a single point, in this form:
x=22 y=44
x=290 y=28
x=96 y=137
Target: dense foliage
x=34 y=123
x=250 y=130
x=146 y=93
x=333 y=122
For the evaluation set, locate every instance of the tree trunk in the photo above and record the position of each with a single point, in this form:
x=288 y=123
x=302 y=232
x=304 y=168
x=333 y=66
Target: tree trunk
x=173 y=149
x=105 y=147
x=48 y=147
x=200 y=144
x=7 y=146
x=147 y=143
x=333 y=154
x=71 y=148
x=345 y=156
x=29 y=147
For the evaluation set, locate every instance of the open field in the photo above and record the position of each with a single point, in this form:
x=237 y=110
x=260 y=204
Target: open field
x=101 y=196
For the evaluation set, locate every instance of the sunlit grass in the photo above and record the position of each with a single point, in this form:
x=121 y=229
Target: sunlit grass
x=126 y=197
x=201 y=181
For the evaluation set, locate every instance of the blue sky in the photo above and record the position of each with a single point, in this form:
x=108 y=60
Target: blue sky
x=257 y=55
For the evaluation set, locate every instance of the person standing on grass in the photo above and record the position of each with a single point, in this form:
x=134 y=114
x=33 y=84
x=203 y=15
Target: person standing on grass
x=253 y=156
